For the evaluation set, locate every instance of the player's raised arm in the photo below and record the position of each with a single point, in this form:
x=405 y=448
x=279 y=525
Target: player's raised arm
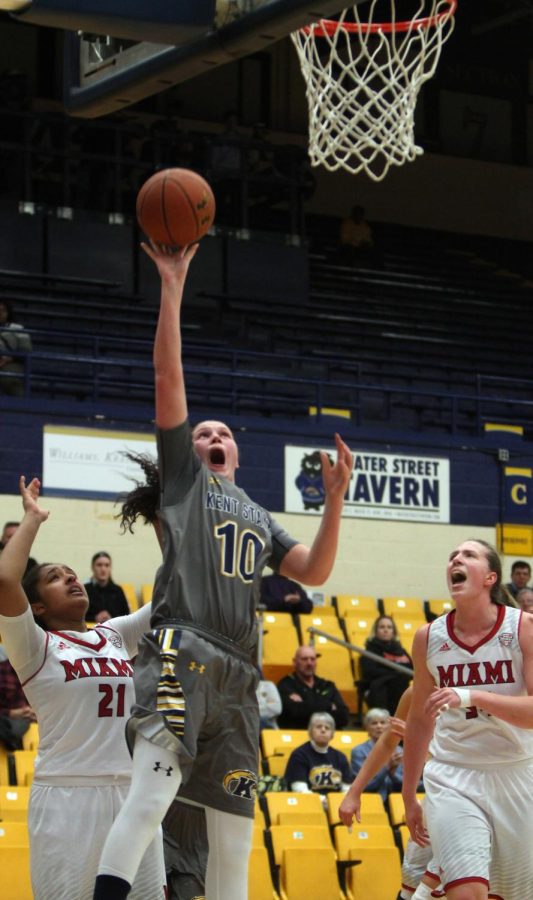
x=312 y=565
x=14 y=556
x=170 y=397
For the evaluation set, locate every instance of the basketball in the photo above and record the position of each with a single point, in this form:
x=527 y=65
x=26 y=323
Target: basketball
x=175 y=207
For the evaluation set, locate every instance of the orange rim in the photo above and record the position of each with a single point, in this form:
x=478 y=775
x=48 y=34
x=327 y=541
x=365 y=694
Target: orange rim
x=330 y=26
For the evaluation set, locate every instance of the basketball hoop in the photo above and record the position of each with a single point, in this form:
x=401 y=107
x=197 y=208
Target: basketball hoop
x=363 y=80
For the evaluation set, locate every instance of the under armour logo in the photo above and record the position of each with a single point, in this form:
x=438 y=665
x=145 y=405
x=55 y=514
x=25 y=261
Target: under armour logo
x=193 y=666
x=158 y=766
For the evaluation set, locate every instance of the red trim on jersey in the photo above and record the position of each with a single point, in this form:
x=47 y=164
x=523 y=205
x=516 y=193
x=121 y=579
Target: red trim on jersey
x=450 y=619
x=42 y=664
x=495 y=897
x=474 y=878
x=406 y=887
x=520 y=619
x=429 y=874
x=82 y=643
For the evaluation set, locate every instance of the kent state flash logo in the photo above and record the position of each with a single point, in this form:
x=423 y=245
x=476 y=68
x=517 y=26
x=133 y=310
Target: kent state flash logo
x=240 y=783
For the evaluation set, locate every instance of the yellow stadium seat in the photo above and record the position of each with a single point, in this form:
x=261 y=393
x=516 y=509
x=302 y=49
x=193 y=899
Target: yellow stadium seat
x=438 y=607
x=279 y=802
x=14 y=803
x=397 y=808
x=378 y=876
x=280 y=642
x=407 y=629
x=258 y=836
x=335 y=663
x=277 y=763
x=131 y=595
x=403 y=607
x=358 y=629
x=301 y=818
x=260 y=885
x=30 y=739
x=404 y=836
x=326 y=610
x=347 y=740
x=373 y=811
x=4 y=765
x=14 y=834
x=146 y=593
x=362 y=836
x=329 y=624
x=349 y=604
x=309 y=874
x=15 y=869
x=24 y=765
x=276 y=738
x=285 y=836
x=259 y=816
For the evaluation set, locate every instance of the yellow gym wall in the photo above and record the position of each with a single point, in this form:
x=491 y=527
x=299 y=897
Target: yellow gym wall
x=375 y=558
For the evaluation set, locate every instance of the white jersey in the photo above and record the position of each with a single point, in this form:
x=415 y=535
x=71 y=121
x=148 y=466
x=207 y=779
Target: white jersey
x=81 y=688
x=471 y=737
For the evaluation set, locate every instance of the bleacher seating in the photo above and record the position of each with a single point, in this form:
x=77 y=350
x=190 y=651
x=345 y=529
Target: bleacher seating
x=420 y=363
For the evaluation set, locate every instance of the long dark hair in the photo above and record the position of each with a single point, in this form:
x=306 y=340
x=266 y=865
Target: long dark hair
x=498 y=592
x=143 y=500
x=30 y=586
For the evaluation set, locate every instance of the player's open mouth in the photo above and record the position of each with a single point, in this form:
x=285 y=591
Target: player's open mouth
x=76 y=590
x=458 y=577
x=217 y=457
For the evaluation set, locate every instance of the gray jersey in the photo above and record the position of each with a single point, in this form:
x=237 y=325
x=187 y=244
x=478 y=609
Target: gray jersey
x=216 y=543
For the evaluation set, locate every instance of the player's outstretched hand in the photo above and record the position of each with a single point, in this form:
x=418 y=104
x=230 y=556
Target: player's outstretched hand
x=171 y=262
x=30 y=496
x=336 y=477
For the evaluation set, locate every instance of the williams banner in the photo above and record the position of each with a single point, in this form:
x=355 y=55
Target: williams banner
x=383 y=485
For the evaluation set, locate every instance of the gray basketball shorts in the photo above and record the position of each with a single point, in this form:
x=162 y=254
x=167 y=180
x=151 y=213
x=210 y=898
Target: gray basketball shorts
x=198 y=699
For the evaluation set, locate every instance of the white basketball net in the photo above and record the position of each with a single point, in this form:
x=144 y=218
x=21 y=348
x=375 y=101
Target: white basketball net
x=363 y=82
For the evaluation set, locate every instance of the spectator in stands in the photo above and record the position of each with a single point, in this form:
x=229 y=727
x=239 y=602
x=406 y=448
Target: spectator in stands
x=13 y=340
x=280 y=594
x=7 y=534
x=389 y=778
x=524 y=598
x=356 y=240
x=381 y=685
x=16 y=714
x=304 y=693
x=315 y=767
x=106 y=599
x=269 y=702
x=520 y=577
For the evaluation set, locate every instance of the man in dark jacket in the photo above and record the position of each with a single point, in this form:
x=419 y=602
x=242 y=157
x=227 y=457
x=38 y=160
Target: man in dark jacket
x=304 y=693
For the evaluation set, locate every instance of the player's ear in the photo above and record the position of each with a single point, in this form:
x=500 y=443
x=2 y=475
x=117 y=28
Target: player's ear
x=38 y=608
x=491 y=578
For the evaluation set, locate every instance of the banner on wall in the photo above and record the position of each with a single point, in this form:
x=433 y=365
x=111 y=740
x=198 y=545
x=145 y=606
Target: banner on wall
x=90 y=462
x=518 y=495
x=382 y=486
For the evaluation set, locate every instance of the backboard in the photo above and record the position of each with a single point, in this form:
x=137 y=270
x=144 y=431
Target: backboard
x=103 y=74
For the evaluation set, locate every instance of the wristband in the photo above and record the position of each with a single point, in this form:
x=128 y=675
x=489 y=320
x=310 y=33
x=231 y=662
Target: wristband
x=464 y=696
